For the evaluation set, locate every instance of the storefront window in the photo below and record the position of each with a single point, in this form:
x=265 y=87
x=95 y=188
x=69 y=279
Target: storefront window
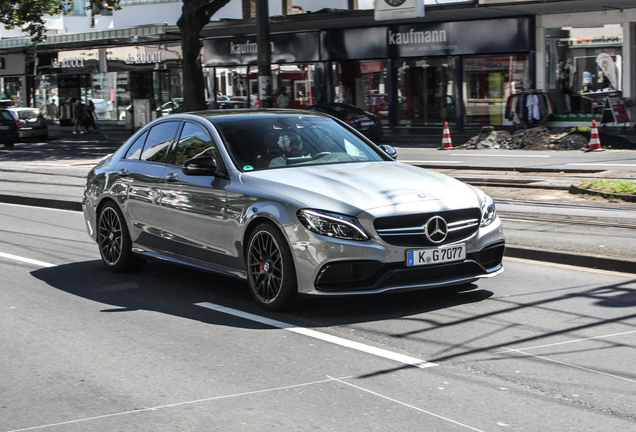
x=46 y=97
x=426 y=91
x=363 y=84
x=583 y=66
x=234 y=85
x=488 y=81
x=104 y=95
x=12 y=89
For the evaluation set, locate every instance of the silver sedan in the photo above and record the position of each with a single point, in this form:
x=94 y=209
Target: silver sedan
x=294 y=202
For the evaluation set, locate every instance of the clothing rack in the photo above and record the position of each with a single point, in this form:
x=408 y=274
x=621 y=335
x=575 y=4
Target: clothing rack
x=528 y=107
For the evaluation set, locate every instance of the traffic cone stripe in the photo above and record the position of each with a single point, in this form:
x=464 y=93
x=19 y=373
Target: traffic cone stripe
x=446 y=139
x=595 y=142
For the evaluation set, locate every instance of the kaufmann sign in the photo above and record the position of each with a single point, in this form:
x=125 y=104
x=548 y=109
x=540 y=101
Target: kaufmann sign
x=398 y=9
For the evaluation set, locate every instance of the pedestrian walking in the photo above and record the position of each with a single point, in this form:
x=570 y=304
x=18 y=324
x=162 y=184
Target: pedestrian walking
x=91 y=117
x=79 y=117
x=284 y=100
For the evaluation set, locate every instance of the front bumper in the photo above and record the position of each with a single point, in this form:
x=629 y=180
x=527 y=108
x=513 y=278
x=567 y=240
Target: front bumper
x=327 y=266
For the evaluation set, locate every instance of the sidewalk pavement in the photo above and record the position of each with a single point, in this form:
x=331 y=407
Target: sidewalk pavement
x=53 y=175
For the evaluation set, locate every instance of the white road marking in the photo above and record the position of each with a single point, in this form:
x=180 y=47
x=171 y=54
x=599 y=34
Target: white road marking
x=603 y=164
x=577 y=340
x=520 y=351
x=214 y=398
x=499 y=155
x=322 y=336
x=431 y=162
x=407 y=405
x=26 y=260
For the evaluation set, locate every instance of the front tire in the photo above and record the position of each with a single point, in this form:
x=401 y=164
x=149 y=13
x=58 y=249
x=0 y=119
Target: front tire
x=270 y=268
x=113 y=238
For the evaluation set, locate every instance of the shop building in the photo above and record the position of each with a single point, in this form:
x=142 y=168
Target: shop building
x=142 y=79
x=13 y=81
x=584 y=58
x=458 y=64
x=418 y=74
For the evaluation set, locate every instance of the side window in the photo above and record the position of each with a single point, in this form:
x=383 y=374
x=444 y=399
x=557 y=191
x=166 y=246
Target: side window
x=134 y=151
x=194 y=142
x=158 y=142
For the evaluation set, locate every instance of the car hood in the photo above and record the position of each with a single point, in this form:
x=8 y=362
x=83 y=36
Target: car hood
x=356 y=187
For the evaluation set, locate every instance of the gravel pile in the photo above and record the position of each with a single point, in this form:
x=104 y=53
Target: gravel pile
x=536 y=138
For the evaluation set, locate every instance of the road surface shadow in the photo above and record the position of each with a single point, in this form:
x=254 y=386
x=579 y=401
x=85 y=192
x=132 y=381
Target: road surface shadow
x=174 y=290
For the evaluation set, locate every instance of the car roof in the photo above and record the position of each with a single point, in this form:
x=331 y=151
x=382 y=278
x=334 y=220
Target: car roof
x=21 y=108
x=225 y=116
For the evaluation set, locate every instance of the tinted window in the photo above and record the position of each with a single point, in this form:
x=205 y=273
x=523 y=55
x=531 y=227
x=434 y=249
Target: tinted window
x=5 y=115
x=134 y=151
x=276 y=142
x=158 y=142
x=194 y=142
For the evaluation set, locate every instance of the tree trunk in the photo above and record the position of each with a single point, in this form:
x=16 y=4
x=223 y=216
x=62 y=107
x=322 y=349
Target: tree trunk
x=195 y=14
x=193 y=82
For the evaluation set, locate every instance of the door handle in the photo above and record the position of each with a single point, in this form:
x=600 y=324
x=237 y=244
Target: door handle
x=123 y=172
x=172 y=177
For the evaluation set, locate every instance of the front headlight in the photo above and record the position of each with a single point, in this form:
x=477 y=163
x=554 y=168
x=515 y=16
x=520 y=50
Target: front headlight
x=488 y=212
x=331 y=224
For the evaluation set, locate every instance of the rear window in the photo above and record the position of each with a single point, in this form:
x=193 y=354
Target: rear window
x=28 y=114
x=5 y=115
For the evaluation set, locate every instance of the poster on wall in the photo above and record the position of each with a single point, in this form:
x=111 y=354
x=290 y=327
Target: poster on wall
x=398 y=9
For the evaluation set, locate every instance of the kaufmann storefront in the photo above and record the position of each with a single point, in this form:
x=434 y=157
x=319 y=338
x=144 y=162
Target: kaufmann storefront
x=415 y=75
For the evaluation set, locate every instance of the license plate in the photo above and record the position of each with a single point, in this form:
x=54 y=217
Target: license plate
x=438 y=255
x=4 y=127
x=367 y=123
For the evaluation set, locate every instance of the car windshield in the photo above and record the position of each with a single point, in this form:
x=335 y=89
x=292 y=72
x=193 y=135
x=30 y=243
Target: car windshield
x=270 y=143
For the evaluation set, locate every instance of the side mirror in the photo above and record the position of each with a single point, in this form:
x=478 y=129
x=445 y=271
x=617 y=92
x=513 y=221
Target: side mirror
x=389 y=150
x=200 y=166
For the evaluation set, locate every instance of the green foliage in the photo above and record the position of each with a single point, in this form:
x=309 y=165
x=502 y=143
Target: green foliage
x=611 y=186
x=31 y=14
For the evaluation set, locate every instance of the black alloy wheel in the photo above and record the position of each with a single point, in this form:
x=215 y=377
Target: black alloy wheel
x=114 y=242
x=270 y=267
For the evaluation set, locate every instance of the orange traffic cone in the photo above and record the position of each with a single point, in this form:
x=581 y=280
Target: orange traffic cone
x=446 y=139
x=595 y=142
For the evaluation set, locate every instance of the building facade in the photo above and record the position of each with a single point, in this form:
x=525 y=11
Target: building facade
x=459 y=64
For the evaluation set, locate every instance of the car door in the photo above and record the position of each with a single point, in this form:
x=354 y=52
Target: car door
x=194 y=205
x=141 y=171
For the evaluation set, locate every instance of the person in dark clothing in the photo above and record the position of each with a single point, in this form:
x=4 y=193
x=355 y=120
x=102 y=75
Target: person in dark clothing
x=91 y=117
x=79 y=116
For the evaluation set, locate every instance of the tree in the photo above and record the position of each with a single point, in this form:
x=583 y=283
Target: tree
x=195 y=14
x=30 y=14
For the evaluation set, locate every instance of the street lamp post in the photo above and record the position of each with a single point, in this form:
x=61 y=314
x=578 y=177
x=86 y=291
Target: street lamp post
x=263 y=42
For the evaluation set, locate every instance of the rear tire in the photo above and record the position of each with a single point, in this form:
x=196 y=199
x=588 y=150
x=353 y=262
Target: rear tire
x=270 y=269
x=113 y=239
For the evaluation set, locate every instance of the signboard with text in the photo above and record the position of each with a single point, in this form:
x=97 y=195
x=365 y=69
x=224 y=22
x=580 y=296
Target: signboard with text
x=398 y=9
x=617 y=105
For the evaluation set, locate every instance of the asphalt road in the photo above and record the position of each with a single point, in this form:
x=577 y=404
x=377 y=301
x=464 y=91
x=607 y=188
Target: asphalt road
x=540 y=348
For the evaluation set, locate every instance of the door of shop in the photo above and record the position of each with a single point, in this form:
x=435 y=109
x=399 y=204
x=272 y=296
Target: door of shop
x=71 y=88
x=151 y=86
x=426 y=91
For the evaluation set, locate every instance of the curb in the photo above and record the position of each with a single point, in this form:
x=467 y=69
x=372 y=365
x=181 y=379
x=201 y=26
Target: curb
x=625 y=197
x=41 y=202
x=600 y=263
x=571 y=259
